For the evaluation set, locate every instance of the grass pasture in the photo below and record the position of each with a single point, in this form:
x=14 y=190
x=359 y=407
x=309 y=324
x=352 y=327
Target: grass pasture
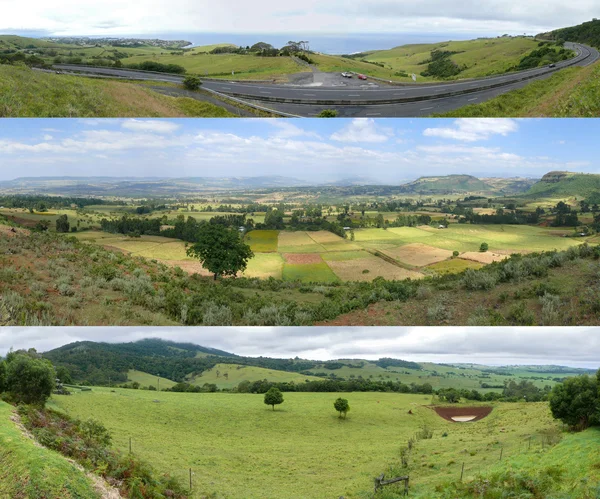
x=237 y=446
x=231 y=375
x=145 y=379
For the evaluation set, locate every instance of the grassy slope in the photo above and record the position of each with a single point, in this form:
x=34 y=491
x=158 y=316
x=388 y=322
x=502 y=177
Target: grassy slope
x=482 y=57
x=29 y=471
x=237 y=373
x=28 y=93
x=145 y=379
x=578 y=185
x=271 y=453
x=575 y=460
x=571 y=92
x=244 y=66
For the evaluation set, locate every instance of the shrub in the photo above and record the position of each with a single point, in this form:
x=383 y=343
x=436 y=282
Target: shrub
x=192 y=82
x=476 y=280
x=327 y=113
x=484 y=247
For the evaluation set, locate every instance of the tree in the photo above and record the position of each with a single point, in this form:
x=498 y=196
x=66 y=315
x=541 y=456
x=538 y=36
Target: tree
x=63 y=374
x=192 y=82
x=2 y=376
x=29 y=380
x=273 y=397
x=62 y=224
x=42 y=225
x=221 y=250
x=575 y=402
x=342 y=406
x=484 y=247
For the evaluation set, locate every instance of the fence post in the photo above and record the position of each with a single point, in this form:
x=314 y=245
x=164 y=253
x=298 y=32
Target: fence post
x=129 y=445
x=190 y=478
x=462 y=471
x=406 y=486
x=501 y=449
x=529 y=448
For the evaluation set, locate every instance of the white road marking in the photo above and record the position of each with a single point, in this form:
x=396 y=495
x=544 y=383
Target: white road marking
x=309 y=95
x=403 y=93
x=473 y=99
x=264 y=92
x=227 y=88
x=426 y=108
x=353 y=95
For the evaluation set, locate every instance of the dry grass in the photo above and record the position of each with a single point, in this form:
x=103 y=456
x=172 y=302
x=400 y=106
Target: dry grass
x=418 y=255
x=483 y=257
x=353 y=270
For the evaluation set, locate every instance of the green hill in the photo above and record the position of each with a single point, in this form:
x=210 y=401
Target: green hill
x=30 y=471
x=588 y=33
x=448 y=184
x=559 y=184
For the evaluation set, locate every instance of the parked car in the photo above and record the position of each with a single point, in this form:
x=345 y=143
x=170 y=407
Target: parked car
x=552 y=65
x=347 y=75
x=362 y=77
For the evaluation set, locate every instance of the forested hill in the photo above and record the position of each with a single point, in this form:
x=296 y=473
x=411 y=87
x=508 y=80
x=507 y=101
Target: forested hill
x=588 y=33
x=96 y=363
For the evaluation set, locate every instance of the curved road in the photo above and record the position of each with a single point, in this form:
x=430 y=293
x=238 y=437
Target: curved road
x=370 y=100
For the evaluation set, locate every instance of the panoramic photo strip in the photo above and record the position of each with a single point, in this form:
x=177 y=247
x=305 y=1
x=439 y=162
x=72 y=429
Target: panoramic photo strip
x=252 y=412
x=346 y=58
x=348 y=222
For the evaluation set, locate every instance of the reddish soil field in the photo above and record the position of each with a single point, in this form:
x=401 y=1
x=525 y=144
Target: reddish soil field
x=302 y=258
x=6 y=231
x=463 y=412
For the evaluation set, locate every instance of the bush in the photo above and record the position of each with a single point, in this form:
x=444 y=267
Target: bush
x=327 y=113
x=479 y=280
x=484 y=247
x=192 y=82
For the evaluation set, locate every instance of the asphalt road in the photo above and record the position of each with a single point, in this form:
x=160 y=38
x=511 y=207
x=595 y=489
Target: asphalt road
x=380 y=99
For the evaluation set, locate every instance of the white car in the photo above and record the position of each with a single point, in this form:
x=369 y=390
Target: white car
x=347 y=75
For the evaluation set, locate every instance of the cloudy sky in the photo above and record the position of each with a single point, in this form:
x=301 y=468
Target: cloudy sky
x=310 y=149
x=115 y=17
x=575 y=347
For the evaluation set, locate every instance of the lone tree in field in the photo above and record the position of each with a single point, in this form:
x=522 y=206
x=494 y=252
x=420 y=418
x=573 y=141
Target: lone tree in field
x=576 y=401
x=192 y=82
x=221 y=250
x=342 y=406
x=484 y=247
x=62 y=224
x=29 y=379
x=273 y=397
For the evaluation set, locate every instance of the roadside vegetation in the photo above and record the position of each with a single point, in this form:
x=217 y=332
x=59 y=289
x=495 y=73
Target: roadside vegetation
x=25 y=92
x=571 y=92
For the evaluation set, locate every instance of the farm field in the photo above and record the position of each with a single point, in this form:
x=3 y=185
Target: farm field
x=237 y=446
x=145 y=379
x=321 y=256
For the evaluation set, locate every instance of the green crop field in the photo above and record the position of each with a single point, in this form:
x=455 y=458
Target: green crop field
x=262 y=241
x=29 y=470
x=236 y=446
x=28 y=93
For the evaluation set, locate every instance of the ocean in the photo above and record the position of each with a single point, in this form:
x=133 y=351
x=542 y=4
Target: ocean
x=328 y=44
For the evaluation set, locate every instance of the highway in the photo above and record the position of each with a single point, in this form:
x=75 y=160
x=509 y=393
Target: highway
x=371 y=99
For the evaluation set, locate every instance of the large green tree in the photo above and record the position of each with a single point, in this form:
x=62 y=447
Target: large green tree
x=342 y=406
x=221 y=250
x=273 y=397
x=576 y=402
x=29 y=379
x=62 y=224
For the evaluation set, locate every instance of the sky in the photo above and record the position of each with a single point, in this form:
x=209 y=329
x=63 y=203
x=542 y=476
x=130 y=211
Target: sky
x=312 y=150
x=115 y=17
x=574 y=347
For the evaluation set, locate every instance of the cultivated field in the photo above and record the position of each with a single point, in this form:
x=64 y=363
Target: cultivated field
x=321 y=256
x=237 y=446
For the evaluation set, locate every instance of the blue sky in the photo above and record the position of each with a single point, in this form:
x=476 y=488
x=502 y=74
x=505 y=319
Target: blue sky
x=319 y=150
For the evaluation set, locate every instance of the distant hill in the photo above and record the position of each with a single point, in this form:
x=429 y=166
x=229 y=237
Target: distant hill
x=566 y=184
x=448 y=184
x=145 y=360
x=588 y=33
x=140 y=186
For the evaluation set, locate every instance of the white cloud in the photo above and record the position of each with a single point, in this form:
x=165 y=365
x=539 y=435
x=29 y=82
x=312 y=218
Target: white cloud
x=473 y=130
x=157 y=126
x=363 y=130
